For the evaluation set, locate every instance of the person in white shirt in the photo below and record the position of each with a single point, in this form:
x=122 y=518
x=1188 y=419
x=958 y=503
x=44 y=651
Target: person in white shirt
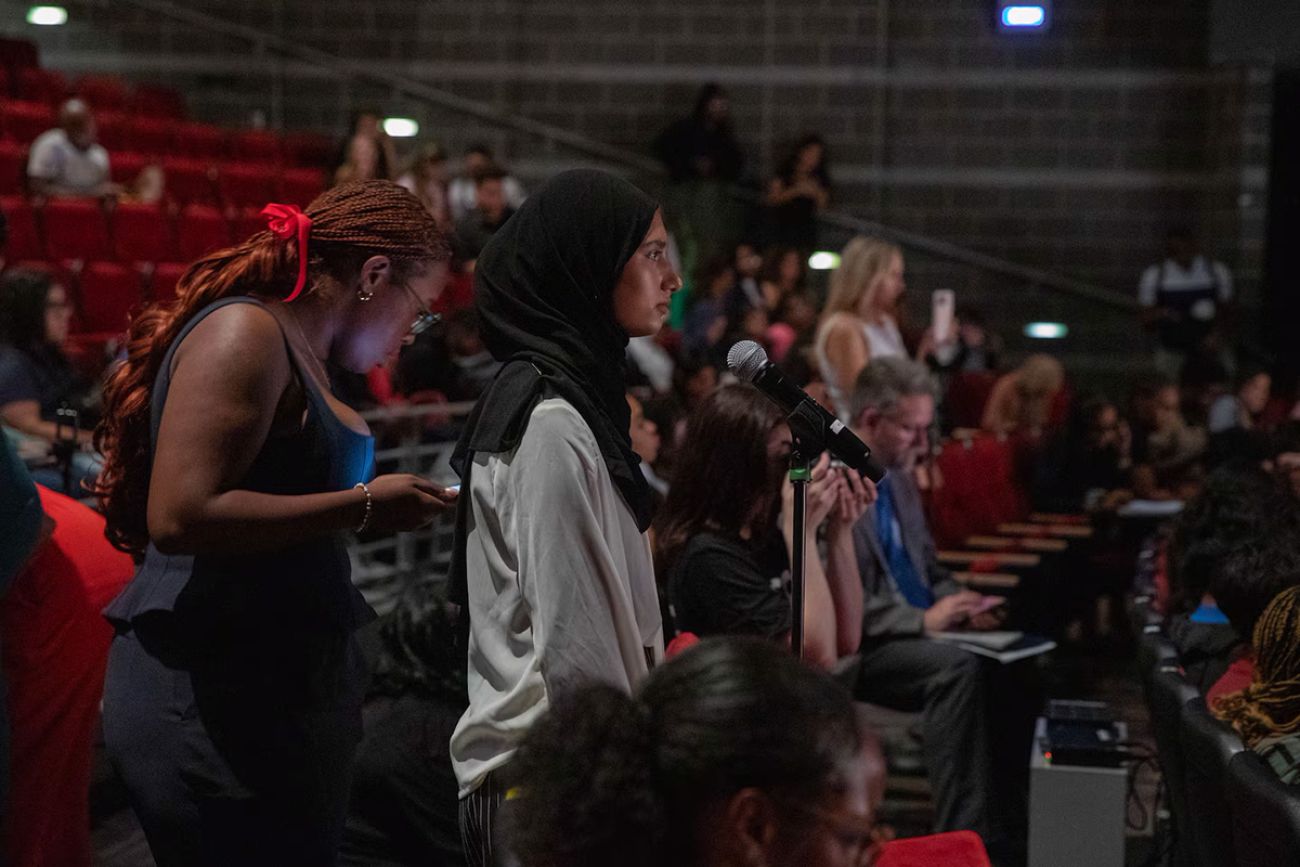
x=67 y=161
x=1184 y=297
x=551 y=559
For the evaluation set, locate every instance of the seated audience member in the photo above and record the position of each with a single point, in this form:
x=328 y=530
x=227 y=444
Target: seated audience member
x=404 y=807
x=1284 y=457
x=732 y=754
x=908 y=596
x=1167 y=451
x=725 y=535
x=36 y=378
x=1221 y=519
x=748 y=265
x=974 y=349
x=1021 y=401
x=426 y=177
x=706 y=316
x=859 y=322
x=694 y=379
x=67 y=160
x=1086 y=465
x=461 y=192
x=367 y=154
x=1242 y=407
x=782 y=275
x=1257 y=569
x=55 y=651
x=1266 y=713
x=490 y=212
x=793 y=326
x=646 y=442
x=744 y=322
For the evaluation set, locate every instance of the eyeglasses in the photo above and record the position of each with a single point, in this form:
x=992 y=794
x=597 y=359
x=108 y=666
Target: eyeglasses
x=856 y=835
x=426 y=318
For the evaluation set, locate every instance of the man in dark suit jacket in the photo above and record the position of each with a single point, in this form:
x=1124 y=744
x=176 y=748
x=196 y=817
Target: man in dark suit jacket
x=909 y=595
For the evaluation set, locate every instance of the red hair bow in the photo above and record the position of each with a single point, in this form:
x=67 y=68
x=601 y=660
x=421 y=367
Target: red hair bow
x=288 y=221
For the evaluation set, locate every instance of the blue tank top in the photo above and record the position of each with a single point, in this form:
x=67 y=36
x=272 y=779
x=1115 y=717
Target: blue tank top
x=271 y=614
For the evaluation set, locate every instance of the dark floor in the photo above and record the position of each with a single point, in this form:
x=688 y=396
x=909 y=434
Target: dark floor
x=1104 y=673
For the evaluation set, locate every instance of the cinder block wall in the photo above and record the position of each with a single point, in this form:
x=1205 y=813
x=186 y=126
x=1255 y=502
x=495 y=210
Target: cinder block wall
x=1071 y=150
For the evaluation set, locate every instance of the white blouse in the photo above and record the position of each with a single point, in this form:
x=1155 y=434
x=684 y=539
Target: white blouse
x=561 y=586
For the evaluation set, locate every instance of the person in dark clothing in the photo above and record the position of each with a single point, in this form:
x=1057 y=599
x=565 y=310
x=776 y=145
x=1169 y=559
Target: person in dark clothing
x=232 y=702
x=404 y=806
x=37 y=380
x=702 y=146
x=491 y=210
x=724 y=536
x=1087 y=460
x=798 y=193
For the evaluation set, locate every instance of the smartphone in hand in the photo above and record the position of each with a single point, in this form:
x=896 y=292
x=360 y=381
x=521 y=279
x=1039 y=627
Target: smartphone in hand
x=943 y=304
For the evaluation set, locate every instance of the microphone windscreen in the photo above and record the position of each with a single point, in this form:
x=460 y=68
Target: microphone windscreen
x=746 y=359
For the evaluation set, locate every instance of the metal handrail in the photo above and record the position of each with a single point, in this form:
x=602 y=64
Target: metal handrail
x=629 y=159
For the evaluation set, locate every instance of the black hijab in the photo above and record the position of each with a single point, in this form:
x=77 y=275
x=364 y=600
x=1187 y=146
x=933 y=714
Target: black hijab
x=544 y=287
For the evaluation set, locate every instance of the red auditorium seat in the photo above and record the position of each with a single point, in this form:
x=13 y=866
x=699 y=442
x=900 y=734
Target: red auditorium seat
x=200 y=229
x=953 y=849
x=152 y=135
x=13 y=167
x=109 y=292
x=125 y=166
x=189 y=180
x=142 y=233
x=246 y=223
x=104 y=92
x=7 y=84
x=24 y=121
x=308 y=149
x=201 y=140
x=24 y=238
x=165 y=277
x=967 y=394
x=75 y=229
x=300 y=186
x=42 y=85
x=156 y=101
x=247 y=184
x=114 y=130
x=255 y=145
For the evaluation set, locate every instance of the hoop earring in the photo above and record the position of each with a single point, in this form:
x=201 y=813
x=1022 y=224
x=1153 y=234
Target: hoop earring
x=364 y=296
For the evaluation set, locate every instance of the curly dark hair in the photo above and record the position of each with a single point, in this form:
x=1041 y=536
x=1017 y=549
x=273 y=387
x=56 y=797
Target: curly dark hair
x=611 y=779
x=1262 y=562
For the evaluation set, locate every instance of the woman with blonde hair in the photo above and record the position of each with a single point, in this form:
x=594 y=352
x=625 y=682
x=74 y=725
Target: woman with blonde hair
x=1267 y=712
x=1021 y=401
x=859 y=321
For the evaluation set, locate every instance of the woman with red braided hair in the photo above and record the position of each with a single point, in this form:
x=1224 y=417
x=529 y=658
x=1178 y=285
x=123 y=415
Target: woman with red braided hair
x=233 y=695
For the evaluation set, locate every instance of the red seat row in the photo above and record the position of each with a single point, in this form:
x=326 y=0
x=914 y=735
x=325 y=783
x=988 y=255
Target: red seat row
x=108 y=293
x=22 y=122
x=983 y=487
x=67 y=229
x=103 y=92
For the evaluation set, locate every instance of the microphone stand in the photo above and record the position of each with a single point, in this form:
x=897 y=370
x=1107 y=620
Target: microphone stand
x=800 y=475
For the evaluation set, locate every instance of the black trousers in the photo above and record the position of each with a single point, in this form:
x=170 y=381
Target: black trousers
x=483 y=823
x=229 y=779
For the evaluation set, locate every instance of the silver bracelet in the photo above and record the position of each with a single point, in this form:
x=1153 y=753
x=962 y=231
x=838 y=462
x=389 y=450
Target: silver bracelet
x=369 y=505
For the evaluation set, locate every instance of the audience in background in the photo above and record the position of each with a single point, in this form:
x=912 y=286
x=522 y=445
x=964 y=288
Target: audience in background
x=800 y=190
x=748 y=265
x=68 y=160
x=1022 y=400
x=491 y=210
x=732 y=754
x=462 y=192
x=1284 y=457
x=367 y=154
x=646 y=443
x=859 y=322
x=37 y=379
x=973 y=348
x=1266 y=712
x=707 y=312
x=1086 y=465
x=426 y=177
x=1242 y=408
x=1167 y=451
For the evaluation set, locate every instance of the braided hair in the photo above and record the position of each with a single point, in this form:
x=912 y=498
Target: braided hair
x=349 y=224
x=1270 y=705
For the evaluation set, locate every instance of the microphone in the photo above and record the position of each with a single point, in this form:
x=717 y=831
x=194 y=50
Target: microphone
x=810 y=422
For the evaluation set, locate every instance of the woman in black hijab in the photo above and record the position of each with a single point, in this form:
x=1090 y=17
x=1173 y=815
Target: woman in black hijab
x=551 y=560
